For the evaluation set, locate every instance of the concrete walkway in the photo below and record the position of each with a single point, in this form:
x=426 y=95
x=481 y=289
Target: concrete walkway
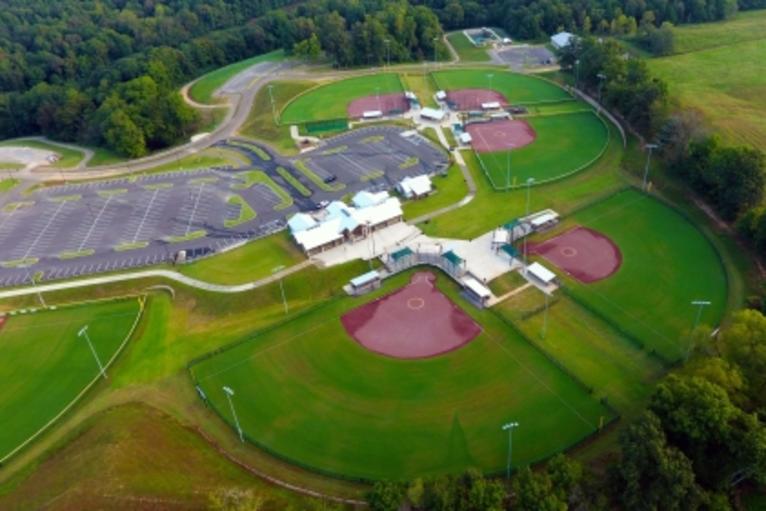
x=146 y=274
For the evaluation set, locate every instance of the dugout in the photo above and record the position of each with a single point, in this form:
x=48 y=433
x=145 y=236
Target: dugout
x=364 y=283
x=476 y=292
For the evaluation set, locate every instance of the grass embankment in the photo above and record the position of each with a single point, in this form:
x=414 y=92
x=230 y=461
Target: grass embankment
x=565 y=144
x=203 y=89
x=329 y=101
x=466 y=50
x=448 y=190
x=252 y=261
x=421 y=86
x=203 y=160
x=517 y=88
x=356 y=413
x=721 y=72
x=68 y=157
x=260 y=123
x=45 y=365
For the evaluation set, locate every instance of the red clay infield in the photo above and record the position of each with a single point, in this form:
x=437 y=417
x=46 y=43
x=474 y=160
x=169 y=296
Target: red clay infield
x=471 y=99
x=2 y=322
x=500 y=135
x=583 y=253
x=386 y=103
x=417 y=321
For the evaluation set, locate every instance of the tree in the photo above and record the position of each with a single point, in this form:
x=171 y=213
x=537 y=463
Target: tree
x=123 y=136
x=743 y=343
x=308 y=49
x=652 y=474
x=534 y=492
x=386 y=496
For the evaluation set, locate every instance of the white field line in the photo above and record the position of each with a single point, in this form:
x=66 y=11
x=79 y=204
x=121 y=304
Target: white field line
x=146 y=213
x=95 y=222
x=84 y=390
x=194 y=210
x=40 y=234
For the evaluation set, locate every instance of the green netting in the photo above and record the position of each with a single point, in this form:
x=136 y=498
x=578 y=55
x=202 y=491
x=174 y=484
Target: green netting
x=399 y=254
x=452 y=257
x=323 y=126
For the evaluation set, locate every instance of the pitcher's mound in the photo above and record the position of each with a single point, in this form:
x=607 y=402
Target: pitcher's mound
x=417 y=321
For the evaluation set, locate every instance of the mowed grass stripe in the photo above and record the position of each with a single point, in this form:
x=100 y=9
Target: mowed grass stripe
x=329 y=101
x=517 y=88
x=667 y=263
x=565 y=143
x=44 y=365
x=310 y=393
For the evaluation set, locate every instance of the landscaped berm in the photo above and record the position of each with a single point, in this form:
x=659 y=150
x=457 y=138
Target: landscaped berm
x=307 y=391
x=46 y=365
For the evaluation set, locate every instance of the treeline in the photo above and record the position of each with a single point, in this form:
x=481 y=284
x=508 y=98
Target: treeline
x=106 y=72
x=699 y=439
x=534 y=20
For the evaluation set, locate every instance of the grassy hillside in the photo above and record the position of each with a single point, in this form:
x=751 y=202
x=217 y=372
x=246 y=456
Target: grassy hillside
x=720 y=71
x=203 y=89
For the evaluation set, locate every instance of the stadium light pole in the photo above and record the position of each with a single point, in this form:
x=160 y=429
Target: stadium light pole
x=700 y=304
x=509 y=427
x=577 y=73
x=388 y=52
x=83 y=333
x=650 y=148
x=281 y=286
x=508 y=172
x=489 y=79
x=229 y=394
x=436 y=39
x=545 y=316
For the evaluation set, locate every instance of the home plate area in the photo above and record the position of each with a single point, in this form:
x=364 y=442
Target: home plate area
x=416 y=321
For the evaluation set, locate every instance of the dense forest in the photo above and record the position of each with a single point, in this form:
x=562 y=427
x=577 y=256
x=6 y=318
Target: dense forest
x=107 y=72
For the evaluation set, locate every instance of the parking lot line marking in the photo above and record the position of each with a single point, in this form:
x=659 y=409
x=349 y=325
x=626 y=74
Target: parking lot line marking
x=146 y=213
x=194 y=210
x=95 y=222
x=40 y=234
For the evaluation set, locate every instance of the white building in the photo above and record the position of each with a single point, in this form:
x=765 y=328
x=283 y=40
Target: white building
x=339 y=222
x=562 y=40
x=432 y=114
x=415 y=187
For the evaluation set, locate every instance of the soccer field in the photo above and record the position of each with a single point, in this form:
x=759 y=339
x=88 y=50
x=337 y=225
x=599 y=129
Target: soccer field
x=517 y=88
x=667 y=263
x=565 y=143
x=329 y=101
x=309 y=393
x=44 y=366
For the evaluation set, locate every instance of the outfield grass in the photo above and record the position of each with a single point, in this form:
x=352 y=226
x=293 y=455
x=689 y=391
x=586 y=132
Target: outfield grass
x=565 y=144
x=329 y=101
x=517 y=88
x=252 y=261
x=597 y=354
x=421 y=86
x=667 y=263
x=490 y=208
x=68 y=157
x=359 y=414
x=726 y=84
x=449 y=190
x=260 y=123
x=465 y=49
x=44 y=365
x=203 y=89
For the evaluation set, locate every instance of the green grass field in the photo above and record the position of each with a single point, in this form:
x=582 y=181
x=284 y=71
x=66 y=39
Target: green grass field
x=517 y=88
x=466 y=50
x=8 y=184
x=449 y=190
x=203 y=89
x=721 y=73
x=667 y=263
x=358 y=414
x=260 y=123
x=565 y=144
x=44 y=365
x=329 y=101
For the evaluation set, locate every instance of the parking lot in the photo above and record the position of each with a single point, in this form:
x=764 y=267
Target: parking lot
x=375 y=157
x=526 y=57
x=78 y=229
